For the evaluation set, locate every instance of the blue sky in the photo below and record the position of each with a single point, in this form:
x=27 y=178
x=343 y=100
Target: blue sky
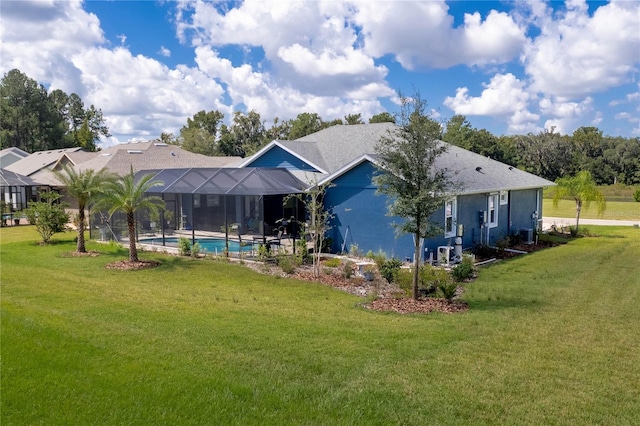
x=509 y=67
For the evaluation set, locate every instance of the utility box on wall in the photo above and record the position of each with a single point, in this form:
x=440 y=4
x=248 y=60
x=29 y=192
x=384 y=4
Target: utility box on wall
x=526 y=234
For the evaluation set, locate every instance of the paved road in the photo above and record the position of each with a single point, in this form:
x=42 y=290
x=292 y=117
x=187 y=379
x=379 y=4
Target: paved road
x=566 y=221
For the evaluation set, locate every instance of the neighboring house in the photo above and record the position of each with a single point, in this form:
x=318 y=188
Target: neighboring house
x=15 y=192
x=149 y=155
x=496 y=200
x=38 y=165
x=10 y=155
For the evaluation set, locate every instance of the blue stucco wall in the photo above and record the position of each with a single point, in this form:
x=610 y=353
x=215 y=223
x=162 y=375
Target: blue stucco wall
x=523 y=205
x=277 y=157
x=360 y=216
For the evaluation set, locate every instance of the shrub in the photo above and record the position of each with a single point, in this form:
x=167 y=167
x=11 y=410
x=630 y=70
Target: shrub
x=195 y=250
x=287 y=263
x=354 y=250
x=636 y=195
x=379 y=258
x=448 y=289
x=184 y=246
x=332 y=262
x=390 y=269
x=347 y=269
x=464 y=270
x=263 y=252
x=48 y=216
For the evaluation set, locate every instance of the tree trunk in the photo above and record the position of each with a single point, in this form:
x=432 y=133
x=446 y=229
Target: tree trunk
x=133 y=251
x=578 y=208
x=416 y=266
x=80 y=248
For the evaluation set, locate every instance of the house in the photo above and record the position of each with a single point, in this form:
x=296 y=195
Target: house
x=11 y=155
x=38 y=165
x=496 y=200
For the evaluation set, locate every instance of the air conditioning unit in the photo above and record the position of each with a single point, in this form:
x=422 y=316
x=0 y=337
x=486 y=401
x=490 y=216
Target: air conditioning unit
x=526 y=234
x=444 y=254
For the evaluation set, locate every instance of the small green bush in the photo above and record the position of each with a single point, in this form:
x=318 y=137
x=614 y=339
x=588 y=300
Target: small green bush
x=636 y=195
x=287 y=263
x=464 y=270
x=379 y=258
x=196 y=249
x=332 y=262
x=390 y=269
x=448 y=289
x=263 y=253
x=184 y=246
x=347 y=269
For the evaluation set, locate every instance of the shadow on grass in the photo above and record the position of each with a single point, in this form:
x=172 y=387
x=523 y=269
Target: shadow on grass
x=498 y=303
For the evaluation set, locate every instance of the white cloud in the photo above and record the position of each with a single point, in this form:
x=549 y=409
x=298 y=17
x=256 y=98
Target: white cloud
x=577 y=54
x=422 y=34
x=165 y=52
x=567 y=116
x=504 y=94
x=139 y=95
x=39 y=38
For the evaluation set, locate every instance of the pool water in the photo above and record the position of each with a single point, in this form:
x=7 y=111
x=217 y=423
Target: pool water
x=211 y=245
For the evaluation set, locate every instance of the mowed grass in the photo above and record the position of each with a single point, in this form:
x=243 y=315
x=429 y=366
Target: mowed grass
x=616 y=210
x=620 y=205
x=550 y=338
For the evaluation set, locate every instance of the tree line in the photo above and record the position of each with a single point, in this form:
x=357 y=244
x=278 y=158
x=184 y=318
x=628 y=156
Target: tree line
x=33 y=119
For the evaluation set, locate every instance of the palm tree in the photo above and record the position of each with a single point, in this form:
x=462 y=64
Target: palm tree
x=583 y=189
x=85 y=187
x=126 y=194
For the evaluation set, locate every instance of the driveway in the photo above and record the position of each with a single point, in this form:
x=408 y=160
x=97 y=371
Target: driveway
x=571 y=221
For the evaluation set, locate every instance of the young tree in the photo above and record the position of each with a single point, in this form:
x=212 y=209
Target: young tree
x=319 y=219
x=85 y=187
x=48 y=216
x=582 y=188
x=408 y=174
x=127 y=195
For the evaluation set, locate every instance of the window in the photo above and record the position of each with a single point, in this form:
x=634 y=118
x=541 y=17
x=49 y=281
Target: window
x=450 y=207
x=504 y=198
x=492 y=210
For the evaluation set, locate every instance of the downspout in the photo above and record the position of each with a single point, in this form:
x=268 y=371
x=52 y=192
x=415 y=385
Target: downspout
x=509 y=212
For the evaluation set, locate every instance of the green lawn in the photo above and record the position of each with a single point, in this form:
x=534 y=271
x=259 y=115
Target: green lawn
x=550 y=338
x=616 y=210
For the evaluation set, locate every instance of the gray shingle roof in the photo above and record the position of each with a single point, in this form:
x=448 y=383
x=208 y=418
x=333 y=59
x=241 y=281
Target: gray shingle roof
x=151 y=155
x=38 y=161
x=338 y=146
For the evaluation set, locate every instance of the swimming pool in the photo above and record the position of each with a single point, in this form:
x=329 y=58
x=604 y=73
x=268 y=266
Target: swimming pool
x=211 y=245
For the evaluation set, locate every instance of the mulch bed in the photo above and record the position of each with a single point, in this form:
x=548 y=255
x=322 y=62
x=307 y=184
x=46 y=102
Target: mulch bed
x=422 y=305
x=125 y=265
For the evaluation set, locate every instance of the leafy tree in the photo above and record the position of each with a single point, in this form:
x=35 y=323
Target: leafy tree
x=547 y=154
x=168 y=138
x=279 y=130
x=201 y=132
x=84 y=186
x=34 y=120
x=48 y=216
x=582 y=188
x=408 y=174
x=383 y=117
x=28 y=120
x=351 y=119
x=245 y=136
x=127 y=195
x=305 y=124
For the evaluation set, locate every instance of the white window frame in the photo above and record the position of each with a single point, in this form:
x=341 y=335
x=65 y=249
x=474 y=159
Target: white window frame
x=504 y=198
x=453 y=214
x=492 y=220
